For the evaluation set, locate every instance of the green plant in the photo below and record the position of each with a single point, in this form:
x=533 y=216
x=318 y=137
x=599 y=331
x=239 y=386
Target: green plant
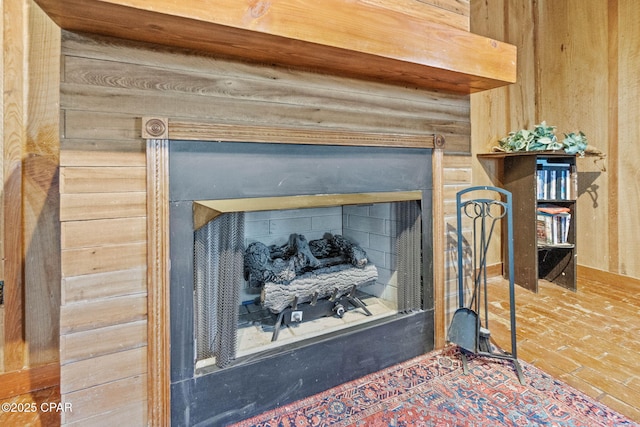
x=575 y=143
x=543 y=138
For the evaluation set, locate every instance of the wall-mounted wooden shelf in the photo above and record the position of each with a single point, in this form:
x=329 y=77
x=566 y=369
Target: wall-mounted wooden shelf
x=353 y=39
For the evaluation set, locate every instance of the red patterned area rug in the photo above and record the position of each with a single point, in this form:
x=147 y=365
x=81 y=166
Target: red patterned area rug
x=431 y=390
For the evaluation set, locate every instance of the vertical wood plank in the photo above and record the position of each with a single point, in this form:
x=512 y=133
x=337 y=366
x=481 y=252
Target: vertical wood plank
x=521 y=31
x=14 y=67
x=2 y=180
x=627 y=154
x=41 y=200
x=158 y=358
x=612 y=143
x=1 y=337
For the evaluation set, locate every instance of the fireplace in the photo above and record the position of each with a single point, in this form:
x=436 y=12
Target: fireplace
x=277 y=194
x=314 y=265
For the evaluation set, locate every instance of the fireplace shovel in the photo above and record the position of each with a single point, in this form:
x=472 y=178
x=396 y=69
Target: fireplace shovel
x=466 y=328
x=463 y=329
x=467 y=332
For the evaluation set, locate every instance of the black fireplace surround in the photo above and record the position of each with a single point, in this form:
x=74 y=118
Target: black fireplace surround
x=259 y=382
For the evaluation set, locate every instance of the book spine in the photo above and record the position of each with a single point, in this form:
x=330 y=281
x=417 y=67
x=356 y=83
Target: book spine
x=563 y=184
x=553 y=176
x=540 y=183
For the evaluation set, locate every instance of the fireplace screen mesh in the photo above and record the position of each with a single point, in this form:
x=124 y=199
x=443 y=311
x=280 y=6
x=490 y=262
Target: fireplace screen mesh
x=219 y=251
x=409 y=265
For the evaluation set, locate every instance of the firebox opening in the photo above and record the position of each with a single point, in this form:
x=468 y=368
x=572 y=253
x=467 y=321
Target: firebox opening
x=266 y=279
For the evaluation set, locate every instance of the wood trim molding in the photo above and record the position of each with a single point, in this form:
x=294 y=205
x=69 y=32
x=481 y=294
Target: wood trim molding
x=495 y=270
x=159 y=365
x=439 y=243
x=29 y=380
x=203 y=131
x=158 y=355
x=589 y=274
x=585 y=274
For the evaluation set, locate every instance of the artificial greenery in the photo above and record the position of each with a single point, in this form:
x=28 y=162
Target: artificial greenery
x=543 y=138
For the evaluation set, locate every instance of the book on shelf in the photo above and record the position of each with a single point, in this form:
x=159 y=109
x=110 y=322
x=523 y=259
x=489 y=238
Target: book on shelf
x=552 y=225
x=553 y=209
x=553 y=180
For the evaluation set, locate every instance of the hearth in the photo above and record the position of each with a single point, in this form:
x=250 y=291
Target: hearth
x=236 y=351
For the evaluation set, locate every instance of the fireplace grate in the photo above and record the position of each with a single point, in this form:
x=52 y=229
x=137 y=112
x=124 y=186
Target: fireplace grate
x=218 y=259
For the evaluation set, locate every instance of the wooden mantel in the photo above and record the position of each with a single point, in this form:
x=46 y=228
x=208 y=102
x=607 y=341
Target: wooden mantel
x=357 y=39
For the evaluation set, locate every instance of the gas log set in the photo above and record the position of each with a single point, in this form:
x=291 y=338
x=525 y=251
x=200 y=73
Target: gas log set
x=306 y=280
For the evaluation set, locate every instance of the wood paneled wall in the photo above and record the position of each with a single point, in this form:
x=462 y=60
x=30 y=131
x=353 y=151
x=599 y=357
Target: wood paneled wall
x=103 y=241
x=574 y=67
x=577 y=69
x=73 y=199
x=106 y=86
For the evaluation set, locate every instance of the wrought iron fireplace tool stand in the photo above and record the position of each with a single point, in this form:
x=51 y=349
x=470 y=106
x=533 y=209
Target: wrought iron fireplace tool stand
x=469 y=328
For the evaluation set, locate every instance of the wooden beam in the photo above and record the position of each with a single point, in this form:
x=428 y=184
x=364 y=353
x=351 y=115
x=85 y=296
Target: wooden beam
x=348 y=38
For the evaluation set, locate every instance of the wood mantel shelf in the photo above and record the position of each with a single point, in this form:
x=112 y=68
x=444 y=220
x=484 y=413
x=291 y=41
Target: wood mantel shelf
x=349 y=38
